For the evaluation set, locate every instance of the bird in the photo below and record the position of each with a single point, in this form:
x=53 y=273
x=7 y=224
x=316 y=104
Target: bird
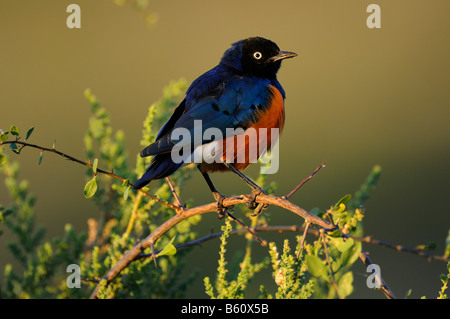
x=240 y=94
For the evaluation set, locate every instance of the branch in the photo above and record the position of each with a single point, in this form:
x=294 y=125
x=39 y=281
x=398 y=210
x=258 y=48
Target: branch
x=383 y=286
x=401 y=248
x=305 y=180
x=150 y=240
x=306 y=230
x=88 y=164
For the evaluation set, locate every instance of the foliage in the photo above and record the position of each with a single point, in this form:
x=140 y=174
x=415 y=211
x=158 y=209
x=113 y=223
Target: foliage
x=319 y=267
x=444 y=279
x=125 y=217
x=323 y=269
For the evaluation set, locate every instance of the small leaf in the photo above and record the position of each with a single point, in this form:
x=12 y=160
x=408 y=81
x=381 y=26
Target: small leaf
x=344 y=200
x=2 y=159
x=125 y=193
x=126 y=182
x=345 y=284
x=90 y=188
x=94 y=166
x=342 y=245
x=29 y=133
x=408 y=293
x=14 y=130
x=315 y=266
x=13 y=147
x=4 y=137
x=335 y=233
x=169 y=249
x=54 y=143
x=40 y=157
x=350 y=255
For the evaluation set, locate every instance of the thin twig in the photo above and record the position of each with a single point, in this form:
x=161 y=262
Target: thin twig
x=246 y=228
x=87 y=164
x=305 y=230
x=175 y=195
x=327 y=258
x=133 y=215
x=302 y=243
x=305 y=180
x=415 y=251
x=383 y=286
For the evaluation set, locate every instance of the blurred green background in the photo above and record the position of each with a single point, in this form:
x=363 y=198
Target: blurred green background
x=356 y=97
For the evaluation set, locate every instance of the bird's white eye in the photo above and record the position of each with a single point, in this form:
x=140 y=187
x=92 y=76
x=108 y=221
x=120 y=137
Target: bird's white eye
x=257 y=55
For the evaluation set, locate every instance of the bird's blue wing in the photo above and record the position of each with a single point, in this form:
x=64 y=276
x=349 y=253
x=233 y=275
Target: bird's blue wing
x=215 y=100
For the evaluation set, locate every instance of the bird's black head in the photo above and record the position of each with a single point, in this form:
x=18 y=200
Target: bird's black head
x=255 y=56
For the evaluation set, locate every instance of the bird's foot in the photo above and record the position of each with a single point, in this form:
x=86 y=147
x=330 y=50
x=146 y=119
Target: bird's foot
x=221 y=210
x=253 y=205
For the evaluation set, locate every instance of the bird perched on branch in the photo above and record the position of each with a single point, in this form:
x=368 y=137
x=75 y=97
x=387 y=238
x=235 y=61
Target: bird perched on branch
x=240 y=94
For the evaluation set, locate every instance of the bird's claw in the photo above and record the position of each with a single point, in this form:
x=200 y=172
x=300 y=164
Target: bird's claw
x=253 y=205
x=221 y=210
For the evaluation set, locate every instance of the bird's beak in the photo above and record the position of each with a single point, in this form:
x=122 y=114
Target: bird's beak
x=283 y=55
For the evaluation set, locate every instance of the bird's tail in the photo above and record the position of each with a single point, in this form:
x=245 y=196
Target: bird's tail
x=161 y=166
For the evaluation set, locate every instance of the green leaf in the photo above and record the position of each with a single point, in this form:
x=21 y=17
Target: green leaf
x=125 y=193
x=13 y=147
x=14 y=130
x=345 y=284
x=169 y=249
x=2 y=159
x=4 y=137
x=90 y=188
x=29 y=133
x=408 y=293
x=335 y=233
x=342 y=244
x=316 y=266
x=40 y=157
x=94 y=166
x=344 y=200
x=350 y=255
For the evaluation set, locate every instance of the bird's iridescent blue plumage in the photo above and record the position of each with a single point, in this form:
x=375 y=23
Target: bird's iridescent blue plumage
x=231 y=95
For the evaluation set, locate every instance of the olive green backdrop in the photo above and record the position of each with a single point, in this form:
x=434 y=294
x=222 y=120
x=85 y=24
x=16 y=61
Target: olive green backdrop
x=356 y=97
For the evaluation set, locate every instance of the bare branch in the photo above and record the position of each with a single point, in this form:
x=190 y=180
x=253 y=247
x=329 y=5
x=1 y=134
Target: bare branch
x=87 y=164
x=175 y=195
x=305 y=180
x=302 y=243
x=419 y=252
x=383 y=286
x=246 y=228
